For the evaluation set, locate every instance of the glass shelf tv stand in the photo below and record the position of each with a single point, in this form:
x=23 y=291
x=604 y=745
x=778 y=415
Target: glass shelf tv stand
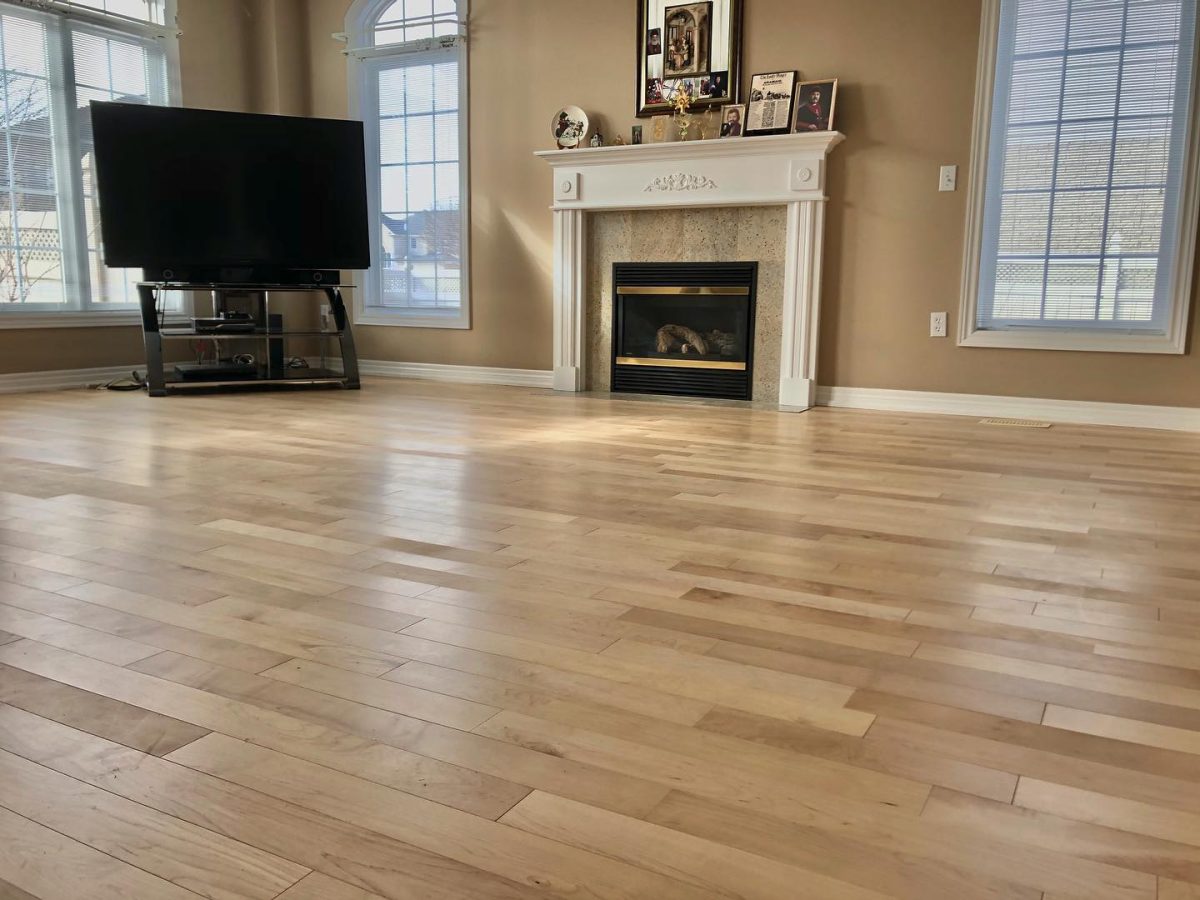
x=271 y=361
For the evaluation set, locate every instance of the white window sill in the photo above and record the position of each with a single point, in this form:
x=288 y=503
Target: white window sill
x=125 y=318
x=1063 y=339
x=403 y=319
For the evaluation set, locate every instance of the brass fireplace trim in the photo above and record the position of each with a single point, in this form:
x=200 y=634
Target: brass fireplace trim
x=681 y=363
x=686 y=289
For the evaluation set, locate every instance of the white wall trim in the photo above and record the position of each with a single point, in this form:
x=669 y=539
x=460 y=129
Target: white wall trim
x=538 y=378
x=1078 y=412
x=64 y=379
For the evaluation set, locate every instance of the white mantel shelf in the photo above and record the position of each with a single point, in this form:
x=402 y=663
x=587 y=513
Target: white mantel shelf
x=781 y=170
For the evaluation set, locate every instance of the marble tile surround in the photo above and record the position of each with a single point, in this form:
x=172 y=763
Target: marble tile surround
x=704 y=234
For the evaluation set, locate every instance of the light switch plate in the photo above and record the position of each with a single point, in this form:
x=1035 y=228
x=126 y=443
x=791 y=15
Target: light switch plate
x=566 y=185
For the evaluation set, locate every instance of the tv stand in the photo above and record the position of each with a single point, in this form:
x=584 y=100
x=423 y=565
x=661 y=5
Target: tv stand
x=269 y=372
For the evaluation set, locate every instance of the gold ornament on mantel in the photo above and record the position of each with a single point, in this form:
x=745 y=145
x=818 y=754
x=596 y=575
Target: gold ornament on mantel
x=683 y=118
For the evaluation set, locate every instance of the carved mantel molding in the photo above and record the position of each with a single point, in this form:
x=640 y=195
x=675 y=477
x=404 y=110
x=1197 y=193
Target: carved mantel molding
x=681 y=181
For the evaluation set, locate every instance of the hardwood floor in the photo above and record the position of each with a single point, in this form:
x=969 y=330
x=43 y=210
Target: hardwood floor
x=446 y=642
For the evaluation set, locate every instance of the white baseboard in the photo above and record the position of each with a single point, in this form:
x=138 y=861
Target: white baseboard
x=64 y=379
x=1174 y=418
x=538 y=378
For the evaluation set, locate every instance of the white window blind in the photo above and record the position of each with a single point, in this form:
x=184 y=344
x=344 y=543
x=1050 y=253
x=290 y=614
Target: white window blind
x=51 y=67
x=412 y=93
x=1087 y=150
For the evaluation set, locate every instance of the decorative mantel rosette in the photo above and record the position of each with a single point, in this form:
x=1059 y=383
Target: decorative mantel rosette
x=681 y=181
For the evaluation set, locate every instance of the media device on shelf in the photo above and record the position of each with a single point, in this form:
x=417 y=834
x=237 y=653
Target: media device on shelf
x=200 y=196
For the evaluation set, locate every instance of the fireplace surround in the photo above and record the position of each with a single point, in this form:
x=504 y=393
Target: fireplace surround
x=787 y=171
x=684 y=329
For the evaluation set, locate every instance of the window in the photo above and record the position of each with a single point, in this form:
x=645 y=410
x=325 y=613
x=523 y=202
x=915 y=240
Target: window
x=1084 y=193
x=54 y=60
x=409 y=88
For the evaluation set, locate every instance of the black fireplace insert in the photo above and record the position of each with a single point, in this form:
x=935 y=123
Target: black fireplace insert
x=684 y=328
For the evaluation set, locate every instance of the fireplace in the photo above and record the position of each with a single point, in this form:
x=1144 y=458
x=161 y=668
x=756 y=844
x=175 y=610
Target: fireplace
x=684 y=329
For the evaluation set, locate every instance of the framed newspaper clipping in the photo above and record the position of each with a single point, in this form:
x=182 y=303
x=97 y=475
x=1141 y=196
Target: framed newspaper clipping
x=769 y=106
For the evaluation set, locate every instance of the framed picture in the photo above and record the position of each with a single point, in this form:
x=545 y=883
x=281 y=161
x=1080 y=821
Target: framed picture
x=687 y=39
x=705 y=55
x=715 y=84
x=637 y=134
x=733 y=117
x=769 y=105
x=815 y=105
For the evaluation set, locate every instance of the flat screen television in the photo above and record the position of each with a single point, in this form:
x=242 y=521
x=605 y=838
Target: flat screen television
x=201 y=195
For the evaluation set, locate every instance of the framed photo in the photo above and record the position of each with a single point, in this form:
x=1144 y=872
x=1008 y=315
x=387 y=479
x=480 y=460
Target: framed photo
x=637 y=134
x=687 y=39
x=715 y=84
x=769 y=105
x=816 y=102
x=733 y=117
x=706 y=53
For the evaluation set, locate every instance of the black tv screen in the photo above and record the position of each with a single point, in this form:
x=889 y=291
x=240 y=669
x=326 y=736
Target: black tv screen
x=200 y=188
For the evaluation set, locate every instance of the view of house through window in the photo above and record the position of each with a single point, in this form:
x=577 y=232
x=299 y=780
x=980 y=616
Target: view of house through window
x=51 y=68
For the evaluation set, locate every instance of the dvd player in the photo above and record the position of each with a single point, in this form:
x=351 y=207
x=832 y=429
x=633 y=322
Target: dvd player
x=215 y=371
x=226 y=323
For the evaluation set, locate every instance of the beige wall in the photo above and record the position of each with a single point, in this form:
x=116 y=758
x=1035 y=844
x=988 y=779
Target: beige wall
x=215 y=72
x=527 y=59
x=894 y=247
x=894 y=252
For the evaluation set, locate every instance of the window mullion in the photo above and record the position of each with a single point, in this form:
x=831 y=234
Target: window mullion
x=68 y=168
x=14 y=206
x=1112 y=169
x=1058 y=126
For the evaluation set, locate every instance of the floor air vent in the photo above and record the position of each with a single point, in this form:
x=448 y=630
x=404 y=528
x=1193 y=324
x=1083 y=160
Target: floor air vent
x=1015 y=423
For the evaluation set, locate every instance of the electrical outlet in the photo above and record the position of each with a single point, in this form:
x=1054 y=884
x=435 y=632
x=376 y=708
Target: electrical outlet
x=949 y=179
x=937 y=324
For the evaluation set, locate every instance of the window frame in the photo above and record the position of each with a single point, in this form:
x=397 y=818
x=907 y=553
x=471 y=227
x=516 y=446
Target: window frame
x=79 y=311
x=365 y=61
x=1106 y=339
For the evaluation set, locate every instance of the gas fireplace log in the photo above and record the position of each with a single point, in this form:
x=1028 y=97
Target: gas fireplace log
x=722 y=342
x=682 y=338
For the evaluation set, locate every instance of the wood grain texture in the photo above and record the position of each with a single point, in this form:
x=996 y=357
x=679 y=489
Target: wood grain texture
x=447 y=641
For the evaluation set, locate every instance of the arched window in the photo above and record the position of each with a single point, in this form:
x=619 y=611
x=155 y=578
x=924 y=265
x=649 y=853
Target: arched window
x=408 y=85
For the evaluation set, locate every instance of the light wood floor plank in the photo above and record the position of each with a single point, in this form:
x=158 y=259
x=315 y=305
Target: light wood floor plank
x=484 y=795
x=491 y=846
x=175 y=851
x=445 y=641
x=44 y=863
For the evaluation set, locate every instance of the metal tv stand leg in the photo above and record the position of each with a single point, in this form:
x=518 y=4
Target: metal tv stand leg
x=148 y=301
x=349 y=355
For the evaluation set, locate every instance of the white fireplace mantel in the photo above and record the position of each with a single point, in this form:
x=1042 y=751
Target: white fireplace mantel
x=784 y=170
